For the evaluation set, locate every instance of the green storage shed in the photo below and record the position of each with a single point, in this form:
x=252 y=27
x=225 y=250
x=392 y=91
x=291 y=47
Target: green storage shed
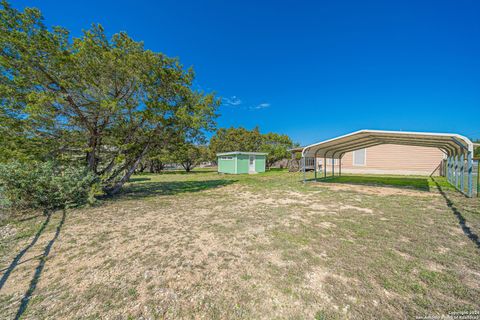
x=241 y=162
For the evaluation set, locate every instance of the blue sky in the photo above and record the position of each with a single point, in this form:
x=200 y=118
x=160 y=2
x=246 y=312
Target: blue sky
x=312 y=69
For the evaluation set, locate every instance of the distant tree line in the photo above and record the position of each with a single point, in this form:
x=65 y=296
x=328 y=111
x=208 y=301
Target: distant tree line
x=224 y=140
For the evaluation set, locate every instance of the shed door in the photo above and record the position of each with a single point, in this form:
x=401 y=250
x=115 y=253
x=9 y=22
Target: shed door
x=251 y=164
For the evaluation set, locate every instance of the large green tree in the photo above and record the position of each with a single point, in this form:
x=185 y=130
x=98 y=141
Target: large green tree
x=276 y=145
x=241 y=139
x=156 y=160
x=189 y=155
x=235 y=139
x=105 y=101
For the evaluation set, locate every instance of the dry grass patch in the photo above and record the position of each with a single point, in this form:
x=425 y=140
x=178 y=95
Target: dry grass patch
x=377 y=190
x=242 y=247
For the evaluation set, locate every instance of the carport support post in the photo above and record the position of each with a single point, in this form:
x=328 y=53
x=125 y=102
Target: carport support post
x=457 y=181
x=470 y=174
x=462 y=172
x=447 y=173
x=456 y=171
x=304 y=176
x=325 y=167
x=340 y=166
x=446 y=168
x=452 y=173
x=315 y=166
x=451 y=170
x=333 y=167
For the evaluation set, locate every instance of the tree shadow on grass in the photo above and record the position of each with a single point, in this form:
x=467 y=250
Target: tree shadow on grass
x=30 y=218
x=179 y=172
x=383 y=181
x=150 y=189
x=194 y=171
x=139 y=179
x=458 y=214
x=38 y=271
x=16 y=261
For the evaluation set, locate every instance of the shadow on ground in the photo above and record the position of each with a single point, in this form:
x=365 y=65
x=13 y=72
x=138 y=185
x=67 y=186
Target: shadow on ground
x=139 y=179
x=180 y=172
x=16 y=261
x=150 y=189
x=39 y=269
x=458 y=214
x=30 y=218
x=383 y=181
x=41 y=264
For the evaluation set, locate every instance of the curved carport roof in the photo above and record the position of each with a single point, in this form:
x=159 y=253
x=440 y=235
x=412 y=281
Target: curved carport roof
x=450 y=144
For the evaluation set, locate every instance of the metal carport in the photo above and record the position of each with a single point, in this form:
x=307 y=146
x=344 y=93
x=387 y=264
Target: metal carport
x=457 y=148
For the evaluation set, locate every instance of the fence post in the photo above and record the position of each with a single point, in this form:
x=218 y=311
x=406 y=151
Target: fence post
x=478 y=177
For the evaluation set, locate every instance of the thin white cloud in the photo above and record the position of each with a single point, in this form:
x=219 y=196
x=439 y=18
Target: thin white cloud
x=262 y=106
x=237 y=103
x=233 y=101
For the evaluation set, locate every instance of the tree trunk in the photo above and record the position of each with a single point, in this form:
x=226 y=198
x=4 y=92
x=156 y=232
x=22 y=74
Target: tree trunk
x=155 y=166
x=187 y=165
x=160 y=166
x=142 y=168
x=117 y=186
x=151 y=166
x=91 y=154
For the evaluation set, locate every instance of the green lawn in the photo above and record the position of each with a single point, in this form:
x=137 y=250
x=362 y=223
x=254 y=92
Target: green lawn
x=206 y=245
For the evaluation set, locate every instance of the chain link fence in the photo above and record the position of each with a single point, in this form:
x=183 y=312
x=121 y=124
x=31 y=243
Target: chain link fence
x=459 y=177
x=457 y=173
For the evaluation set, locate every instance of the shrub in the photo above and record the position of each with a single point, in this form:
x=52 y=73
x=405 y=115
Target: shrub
x=44 y=185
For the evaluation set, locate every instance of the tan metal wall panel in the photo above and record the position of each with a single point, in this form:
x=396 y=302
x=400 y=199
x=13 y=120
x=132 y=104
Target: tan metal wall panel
x=396 y=159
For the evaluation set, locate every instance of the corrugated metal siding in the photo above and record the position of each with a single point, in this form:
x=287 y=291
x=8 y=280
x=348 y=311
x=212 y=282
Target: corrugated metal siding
x=396 y=159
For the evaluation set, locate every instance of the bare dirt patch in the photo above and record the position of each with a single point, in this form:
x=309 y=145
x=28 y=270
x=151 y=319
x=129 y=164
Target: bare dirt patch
x=349 y=207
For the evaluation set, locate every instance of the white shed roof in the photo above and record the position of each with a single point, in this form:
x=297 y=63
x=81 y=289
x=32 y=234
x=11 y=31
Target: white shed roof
x=241 y=152
x=449 y=143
